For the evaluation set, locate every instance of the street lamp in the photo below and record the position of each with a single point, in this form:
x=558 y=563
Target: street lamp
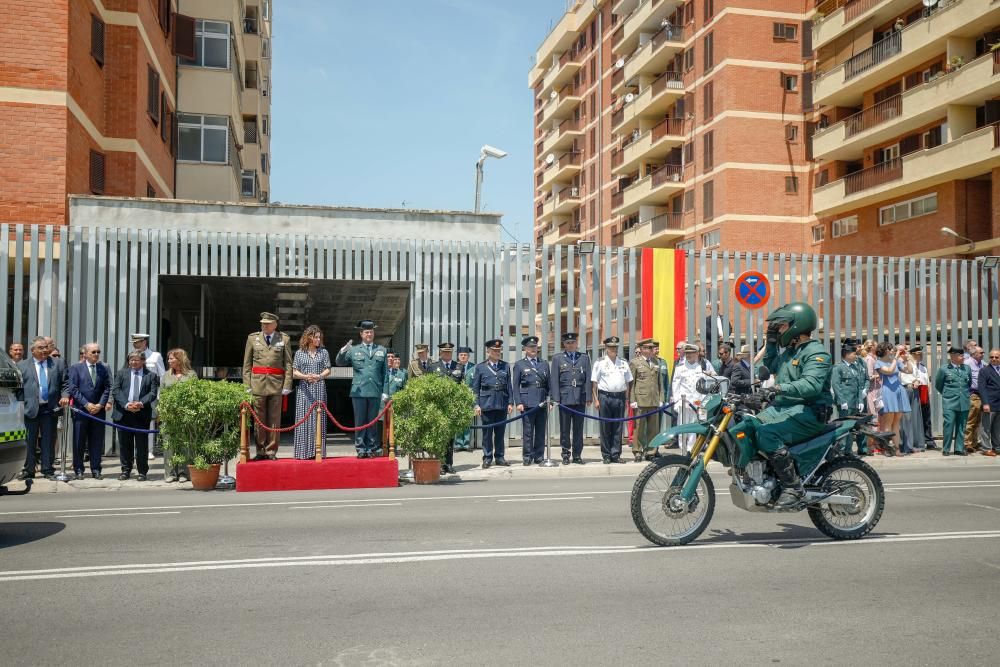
x=948 y=231
x=486 y=151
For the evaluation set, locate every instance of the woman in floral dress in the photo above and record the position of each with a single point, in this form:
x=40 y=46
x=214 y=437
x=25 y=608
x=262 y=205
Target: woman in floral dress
x=311 y=367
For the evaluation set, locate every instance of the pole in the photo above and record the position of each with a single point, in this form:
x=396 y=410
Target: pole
x=389 y=427
x=62 y=476
x=548 y=462
x=479 y=183
x=319 y=435
x=244 y=437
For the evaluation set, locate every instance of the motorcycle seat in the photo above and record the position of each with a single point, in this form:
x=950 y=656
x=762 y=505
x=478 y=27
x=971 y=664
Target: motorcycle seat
x=826 y=434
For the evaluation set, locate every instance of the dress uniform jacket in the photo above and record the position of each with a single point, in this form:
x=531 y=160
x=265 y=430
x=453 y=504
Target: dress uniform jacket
x=258 y=354
x=395 y=379
x=850 y=385
x=493 y=388
x=530 y=382
x=416 y=368
x=801 y=409
x=450 y=369
x=569 y=381
x=369 y=369
x=953 y=382
x=647 y=383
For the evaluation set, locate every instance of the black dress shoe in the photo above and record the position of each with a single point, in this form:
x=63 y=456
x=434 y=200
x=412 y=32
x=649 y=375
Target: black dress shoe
x=502 y=462
x=487 y=463
x=961 y=453
x=447 y=469
x=618 y=460
x=539 y=460
x=638 y=458
x=78 y=476
x=140 y=478
x=565 y=460
x=606 y=460
x=50 y=476
x=259 y=457
x=578 y=460
x=931 y=445
x=946 y=453
x=122 y=477
x=97 y=475
x=526 y=462
x=24 y=474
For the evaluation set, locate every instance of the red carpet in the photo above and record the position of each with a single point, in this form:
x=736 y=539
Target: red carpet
x=342 y=472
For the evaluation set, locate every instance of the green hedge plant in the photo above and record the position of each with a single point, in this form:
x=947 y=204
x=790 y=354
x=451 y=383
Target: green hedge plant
x=428 y=413
x=200 y=421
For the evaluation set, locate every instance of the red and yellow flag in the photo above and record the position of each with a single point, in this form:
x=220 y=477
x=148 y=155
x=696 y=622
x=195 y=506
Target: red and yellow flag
x=664 y=308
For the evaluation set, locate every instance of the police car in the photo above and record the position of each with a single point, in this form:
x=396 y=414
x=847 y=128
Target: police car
x=13 y=436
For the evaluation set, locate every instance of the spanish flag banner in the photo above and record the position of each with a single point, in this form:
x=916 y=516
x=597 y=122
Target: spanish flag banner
x=664 y=308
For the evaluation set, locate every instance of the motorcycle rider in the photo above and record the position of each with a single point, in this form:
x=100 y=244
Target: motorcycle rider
x=803 y=401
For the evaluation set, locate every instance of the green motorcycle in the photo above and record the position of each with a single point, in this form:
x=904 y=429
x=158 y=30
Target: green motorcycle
x=674 y=498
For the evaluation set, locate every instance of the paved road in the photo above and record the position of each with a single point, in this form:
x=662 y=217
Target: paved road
x=511 y=572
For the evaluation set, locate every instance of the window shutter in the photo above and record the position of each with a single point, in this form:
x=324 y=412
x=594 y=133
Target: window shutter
x=909 y=144
x=163 y=15
x=153 y=94
x=166 y=119
x=184 y=36
x=992 y=111
x=708 y=205
x=97 y=39
x=807 y=40
x=97 y=173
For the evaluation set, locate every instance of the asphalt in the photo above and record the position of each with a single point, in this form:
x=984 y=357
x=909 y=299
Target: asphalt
x=518 y=571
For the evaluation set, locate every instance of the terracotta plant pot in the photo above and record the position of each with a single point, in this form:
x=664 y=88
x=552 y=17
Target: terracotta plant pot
x=204 y=480
x=426 y=471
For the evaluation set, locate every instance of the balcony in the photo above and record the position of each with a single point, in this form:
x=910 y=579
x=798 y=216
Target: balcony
x=656 y=189
x=654 y=144
x=562 y=71
x=659 y=232
x=562 y=137
x=653 y=102
x=652 y=57
x=561 y=104
x=547 y=209
x=561 y=170
x=566 y=233
x=840 y=17
x=844 y=84
x=972 y=155
x=624 y=7
x=568 y=200
x=971 y=85
x=647 y=17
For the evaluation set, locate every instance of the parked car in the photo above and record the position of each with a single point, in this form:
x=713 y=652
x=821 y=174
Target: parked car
x=13 y=436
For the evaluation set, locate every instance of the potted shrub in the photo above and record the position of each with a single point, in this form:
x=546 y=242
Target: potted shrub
x=427 y=414
x=200 y=424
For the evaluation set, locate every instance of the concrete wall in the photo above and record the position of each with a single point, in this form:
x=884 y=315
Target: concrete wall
x=125 y=213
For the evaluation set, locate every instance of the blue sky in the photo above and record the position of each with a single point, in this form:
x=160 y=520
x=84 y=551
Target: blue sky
x=381 y=103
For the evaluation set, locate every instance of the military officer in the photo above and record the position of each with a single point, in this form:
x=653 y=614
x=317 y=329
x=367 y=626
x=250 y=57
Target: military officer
x=530 y=382
x=664 y=377
x=267 y=374
x=610 y=382
x=952 y=381
x=803 y=400
x=463 y=443
x=569 y=381
x=419 y=365
x=395 y=377
x=449 y=368
x=646 y=393
x=850 y=386
x=494 y=401
x=368 y=361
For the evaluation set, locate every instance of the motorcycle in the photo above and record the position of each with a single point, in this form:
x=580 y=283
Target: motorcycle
x=673 y=499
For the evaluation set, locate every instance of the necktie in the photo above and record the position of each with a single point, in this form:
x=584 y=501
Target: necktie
x=133 y=394
x=423 y=365
x=43 y=381
x=493 y=366
x=93 y=374
x=533 y=364
x=268 y=339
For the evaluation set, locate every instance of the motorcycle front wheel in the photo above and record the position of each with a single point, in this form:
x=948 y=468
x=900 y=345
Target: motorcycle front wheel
x=659 y=511
x=852 y=477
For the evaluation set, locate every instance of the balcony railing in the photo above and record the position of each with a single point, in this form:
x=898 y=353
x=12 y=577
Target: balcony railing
x=874 y=115
x=617 y=157
x=885 y=172
x=665 y=221
x=617 y=199
x=568 y=57
x=874 y=55
x=667 y=173
x=996 y=62
x=250 y=26
x=618 y=116
x=996 y=135
x=667 y=126
x=569 y=193
x=828 y=7
x=250 y=131
x=617 y=76
x=855 y=8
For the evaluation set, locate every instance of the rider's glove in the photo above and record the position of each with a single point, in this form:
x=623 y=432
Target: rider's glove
x=772 y=333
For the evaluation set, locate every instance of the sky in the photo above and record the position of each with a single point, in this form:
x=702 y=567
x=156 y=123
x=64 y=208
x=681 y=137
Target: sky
x=386 y=104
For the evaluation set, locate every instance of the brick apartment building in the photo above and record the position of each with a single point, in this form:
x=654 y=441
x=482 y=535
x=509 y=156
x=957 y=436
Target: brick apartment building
x=89 y=102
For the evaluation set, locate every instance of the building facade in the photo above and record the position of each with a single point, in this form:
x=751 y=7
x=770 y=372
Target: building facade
x=674 y=124
x=224 y=120
x=87 y=102
x=907 y=141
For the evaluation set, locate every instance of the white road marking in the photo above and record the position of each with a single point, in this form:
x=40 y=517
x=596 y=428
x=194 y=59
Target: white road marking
x=80 y=516
x=465 y=554
x=985 y=507
x=542 y=500
x=956 y=486
x=327 y=507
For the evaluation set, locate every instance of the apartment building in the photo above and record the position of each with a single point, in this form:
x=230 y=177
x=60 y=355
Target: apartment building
x=907 y=142
x=87 y=101
x=661 y=123
x=224 y=117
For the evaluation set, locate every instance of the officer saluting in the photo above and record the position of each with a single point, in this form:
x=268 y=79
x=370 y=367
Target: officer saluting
x=531 y=389
x=368 y=361
x=450 y=369
x=267 y=373
x=492 y=388
x=610 y=384
x=568 y=386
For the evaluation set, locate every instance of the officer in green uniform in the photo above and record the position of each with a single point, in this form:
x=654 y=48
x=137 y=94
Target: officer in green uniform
x=802 y=403
x=953 y=382
x=463 y=443
x=368 y=361
x=850 y=384
x=395 y=377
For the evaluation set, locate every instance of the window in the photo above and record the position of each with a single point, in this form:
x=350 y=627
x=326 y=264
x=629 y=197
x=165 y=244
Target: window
x=248 y=183
x=265 y=9
x=97 y=39
x=844 y=226
x=709 y=144
x=886 y=154
x=708 y=203
x=689 y=60
x=688 y=200
x=203 y=138
x=250 y=130
x=265 y=124
x=785 y=31
x=150 y=191
x=167 y=118
x=685 y=245
x=593 y=72
x=709 y=52
x=791 y=132
x=153 y=94
x=790 y=82
x=266 y=87
x=709 y=10
x=97 y=173
x=211 y=45
x=265 y=48
x=687 y=156
x=711 y=239
x=818 y=232
x=163 y=15
x=708 y=103
x=905 y=210
x=791 y=184
x=265 y=166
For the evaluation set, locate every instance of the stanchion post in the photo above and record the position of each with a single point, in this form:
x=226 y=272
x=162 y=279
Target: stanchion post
x=244 y=436
x=62 y=476
x=319 y=434
x=391 y=432
x=548 y=462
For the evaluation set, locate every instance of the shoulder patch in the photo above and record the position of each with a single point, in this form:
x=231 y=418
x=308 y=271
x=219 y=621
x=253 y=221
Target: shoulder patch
x=820 y=358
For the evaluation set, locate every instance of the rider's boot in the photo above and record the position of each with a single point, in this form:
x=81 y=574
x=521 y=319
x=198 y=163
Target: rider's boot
x=791 y=483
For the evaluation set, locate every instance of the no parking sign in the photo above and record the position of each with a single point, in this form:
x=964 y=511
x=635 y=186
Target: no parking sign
x=753 y=289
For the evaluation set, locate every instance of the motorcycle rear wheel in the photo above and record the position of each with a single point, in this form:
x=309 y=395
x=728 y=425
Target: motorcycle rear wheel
x=850 y=523
x=660 y=513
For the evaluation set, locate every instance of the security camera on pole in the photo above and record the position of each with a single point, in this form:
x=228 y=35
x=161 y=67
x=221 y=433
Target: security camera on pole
x=486 y=151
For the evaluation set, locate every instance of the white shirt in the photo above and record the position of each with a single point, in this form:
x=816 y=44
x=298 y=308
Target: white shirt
x=686 y=376
x=612 y=376
x=154 y=363
x=922 y=375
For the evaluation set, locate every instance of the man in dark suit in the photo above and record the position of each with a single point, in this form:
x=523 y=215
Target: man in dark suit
x=90 y=389
x=989 y=391
x=134 y=391
x=45 y=390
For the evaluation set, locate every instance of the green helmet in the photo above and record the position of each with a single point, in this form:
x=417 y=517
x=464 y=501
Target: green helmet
x=800 y=317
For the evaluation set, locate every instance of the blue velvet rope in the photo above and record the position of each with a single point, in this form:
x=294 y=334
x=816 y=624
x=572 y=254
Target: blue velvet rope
x=614 y=419
x=512 y=419
x=113 y=424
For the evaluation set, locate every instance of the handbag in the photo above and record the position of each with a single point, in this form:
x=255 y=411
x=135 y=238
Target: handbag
x=878 y=403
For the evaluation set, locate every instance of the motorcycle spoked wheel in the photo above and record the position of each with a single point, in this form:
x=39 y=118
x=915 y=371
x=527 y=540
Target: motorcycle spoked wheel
x=849 y=523
x=660 y=513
